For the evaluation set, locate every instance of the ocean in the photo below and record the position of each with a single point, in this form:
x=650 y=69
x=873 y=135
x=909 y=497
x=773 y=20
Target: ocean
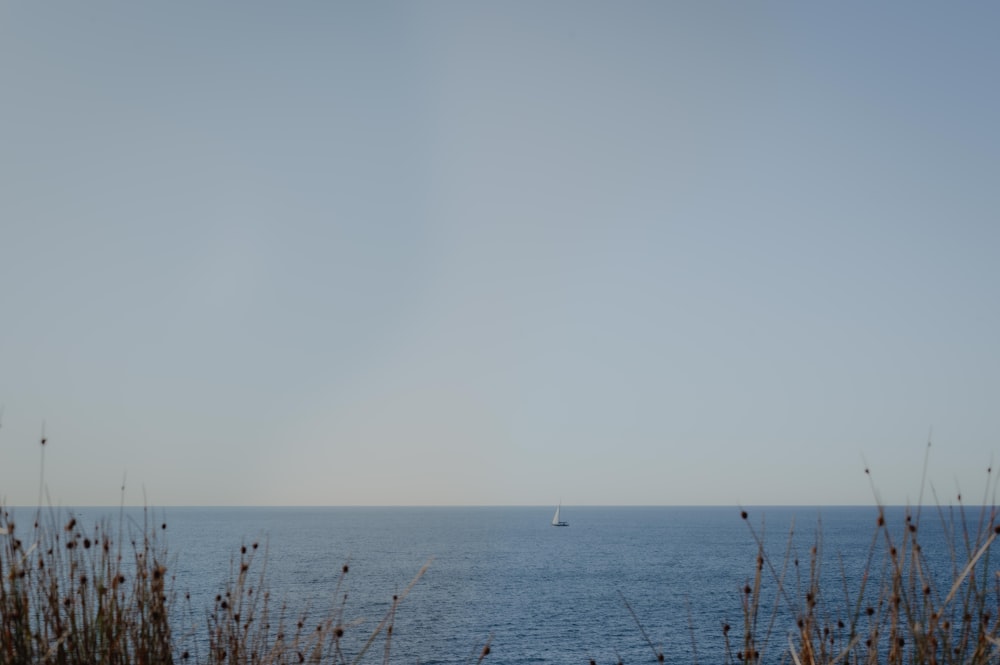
x=618 y=584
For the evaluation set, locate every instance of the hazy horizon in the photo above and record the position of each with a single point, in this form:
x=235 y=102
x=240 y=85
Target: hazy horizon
x=498 y=254
x=542 y=508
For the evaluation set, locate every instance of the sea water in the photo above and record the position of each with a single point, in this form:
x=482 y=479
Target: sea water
x=618 y=584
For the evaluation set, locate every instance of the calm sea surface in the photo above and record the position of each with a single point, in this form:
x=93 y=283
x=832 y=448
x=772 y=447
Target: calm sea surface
x=545 y=594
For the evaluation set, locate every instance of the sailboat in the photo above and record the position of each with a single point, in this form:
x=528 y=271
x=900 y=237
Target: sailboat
x=555 y=519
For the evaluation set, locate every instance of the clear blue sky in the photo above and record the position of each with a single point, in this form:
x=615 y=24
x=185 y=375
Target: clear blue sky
x=498 y=253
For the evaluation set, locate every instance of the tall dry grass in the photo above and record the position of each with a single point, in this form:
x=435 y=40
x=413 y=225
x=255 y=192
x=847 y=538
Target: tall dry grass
x=103 y=594
x=73 y=595
x=902 y=608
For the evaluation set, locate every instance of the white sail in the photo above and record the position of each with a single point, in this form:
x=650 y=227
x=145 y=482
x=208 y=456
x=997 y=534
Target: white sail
x=555 y=519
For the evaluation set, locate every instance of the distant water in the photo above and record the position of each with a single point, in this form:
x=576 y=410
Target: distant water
x=547 y=595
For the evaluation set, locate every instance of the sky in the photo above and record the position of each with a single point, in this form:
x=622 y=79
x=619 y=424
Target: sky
x=509 y=253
